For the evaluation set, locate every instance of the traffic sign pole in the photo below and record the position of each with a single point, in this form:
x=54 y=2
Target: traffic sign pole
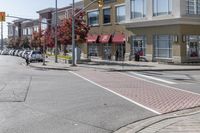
x=1 y=35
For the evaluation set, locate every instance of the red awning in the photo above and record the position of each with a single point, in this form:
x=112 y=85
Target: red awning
x=119 y=38
x=92 y=38
x=104 y=38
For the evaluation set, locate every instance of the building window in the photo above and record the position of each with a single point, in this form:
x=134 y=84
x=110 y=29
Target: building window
x=193 y=7
x=138 y=45
x=106 y=15
x=35 y=28
x=162 y=7
x=138 y=8
x=108 y=1
x=16 y=31
x=163 y=46
x=93 y=50
x=29 y=31
x=43 y=24
x=93 y=18
x=25 y=31
x=120 y=13
x=193 y=46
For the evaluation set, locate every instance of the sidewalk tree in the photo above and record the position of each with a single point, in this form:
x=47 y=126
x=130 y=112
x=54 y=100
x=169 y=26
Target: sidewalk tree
x=25 y=43
x=36 y=39
x=65 y=30
x=49 y=38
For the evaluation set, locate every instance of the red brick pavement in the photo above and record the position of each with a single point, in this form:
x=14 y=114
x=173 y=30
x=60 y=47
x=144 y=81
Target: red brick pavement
x=160 y=98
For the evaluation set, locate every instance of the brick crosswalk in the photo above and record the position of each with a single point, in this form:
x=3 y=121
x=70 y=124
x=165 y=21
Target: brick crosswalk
x=162 y=99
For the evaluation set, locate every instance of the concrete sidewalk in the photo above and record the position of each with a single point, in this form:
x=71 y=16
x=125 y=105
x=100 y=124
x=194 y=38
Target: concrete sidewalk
x=117 y=65
x=187 y=121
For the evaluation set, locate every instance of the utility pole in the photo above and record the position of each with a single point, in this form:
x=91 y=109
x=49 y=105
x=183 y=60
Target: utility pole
x=56 y=38
x=1 y=35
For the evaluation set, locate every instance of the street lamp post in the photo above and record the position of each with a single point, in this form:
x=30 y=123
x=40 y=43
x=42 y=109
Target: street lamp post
x=73 y=34
x=56 y=38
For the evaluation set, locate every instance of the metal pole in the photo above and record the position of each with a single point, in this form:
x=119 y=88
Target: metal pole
x=1 y=35
x=73 y=35
x=56 y=38
x=44 y=53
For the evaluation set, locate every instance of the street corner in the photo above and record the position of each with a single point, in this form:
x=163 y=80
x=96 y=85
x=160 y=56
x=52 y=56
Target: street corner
x=179 y=121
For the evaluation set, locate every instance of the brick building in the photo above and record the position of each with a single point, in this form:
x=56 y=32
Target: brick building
x=167 y=30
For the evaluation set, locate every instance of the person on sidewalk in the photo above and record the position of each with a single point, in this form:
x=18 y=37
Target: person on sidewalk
x=27 y=61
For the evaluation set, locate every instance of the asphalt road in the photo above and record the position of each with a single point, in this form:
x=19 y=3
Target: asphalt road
x=41 y=101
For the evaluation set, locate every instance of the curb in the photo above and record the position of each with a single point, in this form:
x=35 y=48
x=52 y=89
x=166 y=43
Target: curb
x=141 y=125
x=50 y=68
x=124 y=70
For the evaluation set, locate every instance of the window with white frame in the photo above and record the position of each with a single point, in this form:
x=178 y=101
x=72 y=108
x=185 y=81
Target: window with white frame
x=93 y=18
x=162 y=7
x=35 y=28
x=29 y=30
x=43 y=24
x=16 y=31
x=138 y=8
x=138 y=45
x=120 y=13
x=24 y=31
x=163 y=46
x=106 y=15
x=193 y=7
x=193 y=45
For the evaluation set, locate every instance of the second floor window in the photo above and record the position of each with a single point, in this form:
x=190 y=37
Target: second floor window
x=193 y=7
x=120 y=13
x=93 y=18
x=106 y=16
x=162 y=7
x=138 y=8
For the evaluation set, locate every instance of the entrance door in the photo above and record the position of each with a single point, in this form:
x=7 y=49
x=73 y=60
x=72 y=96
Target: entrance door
x=193 y=47
x=120 y=52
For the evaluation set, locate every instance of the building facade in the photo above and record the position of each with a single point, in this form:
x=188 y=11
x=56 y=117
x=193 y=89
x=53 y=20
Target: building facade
x=157 y=30
x=107 y=37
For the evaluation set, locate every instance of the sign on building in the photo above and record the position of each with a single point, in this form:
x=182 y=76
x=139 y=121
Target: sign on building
x=2 y=16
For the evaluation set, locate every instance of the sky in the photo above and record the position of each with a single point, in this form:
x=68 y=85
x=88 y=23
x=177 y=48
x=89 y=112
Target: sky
x=27 y=8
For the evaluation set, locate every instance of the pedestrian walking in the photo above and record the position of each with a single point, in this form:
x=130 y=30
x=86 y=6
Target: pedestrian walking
x=27 y=61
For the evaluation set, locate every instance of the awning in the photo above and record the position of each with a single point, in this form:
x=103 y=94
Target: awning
x=118 y=38
x=92 y=38
x=104 y=38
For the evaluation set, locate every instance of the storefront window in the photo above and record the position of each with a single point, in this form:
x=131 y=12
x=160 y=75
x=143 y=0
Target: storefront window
x=163 y=46
x=93 y=50
x=139 y=45
x=193 y=46
x=107 y=49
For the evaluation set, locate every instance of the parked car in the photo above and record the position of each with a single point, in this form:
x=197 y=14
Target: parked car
x=35 y=56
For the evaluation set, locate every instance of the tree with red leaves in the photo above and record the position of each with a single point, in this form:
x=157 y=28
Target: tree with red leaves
x=65 y=29
x=36 y=39
x=49 y=38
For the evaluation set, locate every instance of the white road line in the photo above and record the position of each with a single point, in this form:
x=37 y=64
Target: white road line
x=116 y=93
x=150 y=77
x=161 y=84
